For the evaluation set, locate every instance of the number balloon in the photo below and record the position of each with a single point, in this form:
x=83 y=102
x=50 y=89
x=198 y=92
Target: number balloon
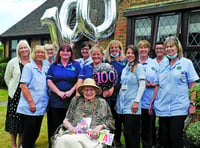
x=59 y=25
x=105 y=75
x=69 y=35
x=88 y=28
x=50 y=17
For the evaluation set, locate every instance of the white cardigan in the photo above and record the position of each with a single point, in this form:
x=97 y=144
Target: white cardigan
x=12 y=76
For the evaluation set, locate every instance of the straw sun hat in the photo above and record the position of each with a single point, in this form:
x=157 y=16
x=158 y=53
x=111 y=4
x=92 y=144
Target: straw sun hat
x=89 y=82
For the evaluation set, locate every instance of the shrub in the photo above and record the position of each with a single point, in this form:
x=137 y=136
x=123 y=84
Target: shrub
x=4 y=60
x=196 y=89
x=2 y=71
x=193 y=132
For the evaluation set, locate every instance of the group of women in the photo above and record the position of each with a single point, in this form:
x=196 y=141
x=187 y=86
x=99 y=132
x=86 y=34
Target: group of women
x=61 y=84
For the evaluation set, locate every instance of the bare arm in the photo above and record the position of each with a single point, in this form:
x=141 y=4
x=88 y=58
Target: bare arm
x=27 y=95
x=153 y=98
x=150 y=85
x=192 y=108
x=69 y=126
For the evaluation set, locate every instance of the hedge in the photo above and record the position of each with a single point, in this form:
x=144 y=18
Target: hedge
x=2 y=71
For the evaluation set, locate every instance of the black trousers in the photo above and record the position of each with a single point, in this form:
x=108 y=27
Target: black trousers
x=171 y=131
x=55 y=117
x=131 y=130
x=31 y=130
x=146 y=129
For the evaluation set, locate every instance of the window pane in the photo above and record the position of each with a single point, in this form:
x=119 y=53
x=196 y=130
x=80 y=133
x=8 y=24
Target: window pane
x=167 y=27
x=44 y=42
x=142 y=30
x=14 y=44
x=194 y=29
x=13 y=54
x=13 y=48
x=194 y=56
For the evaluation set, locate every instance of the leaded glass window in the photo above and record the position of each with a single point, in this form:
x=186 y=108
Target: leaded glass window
x=142 y=29
x=167 y=26
x=193 y=37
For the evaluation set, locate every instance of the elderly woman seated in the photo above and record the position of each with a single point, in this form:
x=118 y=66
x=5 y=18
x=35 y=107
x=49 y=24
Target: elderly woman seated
x=86 y=113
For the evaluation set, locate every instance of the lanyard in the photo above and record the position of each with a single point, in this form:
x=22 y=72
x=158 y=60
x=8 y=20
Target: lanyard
x=127 y=72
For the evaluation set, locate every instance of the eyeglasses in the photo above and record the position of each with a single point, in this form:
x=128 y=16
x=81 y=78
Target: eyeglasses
x=159 y=48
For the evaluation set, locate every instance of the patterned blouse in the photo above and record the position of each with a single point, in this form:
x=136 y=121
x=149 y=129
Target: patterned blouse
x=100 y=114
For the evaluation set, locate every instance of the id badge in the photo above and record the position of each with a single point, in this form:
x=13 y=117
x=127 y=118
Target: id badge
x=124 y=86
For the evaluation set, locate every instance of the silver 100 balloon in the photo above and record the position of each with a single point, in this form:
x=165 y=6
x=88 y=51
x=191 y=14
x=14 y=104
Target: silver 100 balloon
x=60 y=31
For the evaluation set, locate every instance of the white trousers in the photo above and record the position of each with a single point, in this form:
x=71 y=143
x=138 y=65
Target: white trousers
x=76 y=141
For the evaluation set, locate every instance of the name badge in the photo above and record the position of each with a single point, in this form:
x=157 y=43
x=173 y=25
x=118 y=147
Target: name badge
x=124 y=86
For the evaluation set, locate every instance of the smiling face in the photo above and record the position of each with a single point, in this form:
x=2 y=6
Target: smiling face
x=89 y=93
x=170 y=49
x=130 y=55
x=159 y=50
x=65 y=54
x=23 y=50
x=85 y=52
x=114 y=50
x=50 y=53
x=97 y=56
x=39 y=55
x=143 y=51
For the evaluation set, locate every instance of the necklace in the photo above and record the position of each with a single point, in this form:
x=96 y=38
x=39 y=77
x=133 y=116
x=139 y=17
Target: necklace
x=94 y=107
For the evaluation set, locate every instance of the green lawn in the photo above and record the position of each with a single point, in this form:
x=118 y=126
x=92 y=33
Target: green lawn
x=3 y=95
x=5 y=136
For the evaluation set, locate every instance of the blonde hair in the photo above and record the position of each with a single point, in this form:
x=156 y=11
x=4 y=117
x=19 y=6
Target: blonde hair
x=174 y=41
x=49 y=46
x=97 y=47
x=144 y=43
x=114 y=43
x=40 y=48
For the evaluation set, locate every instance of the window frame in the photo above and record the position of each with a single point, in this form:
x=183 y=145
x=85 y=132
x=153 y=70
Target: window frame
x=154 y=13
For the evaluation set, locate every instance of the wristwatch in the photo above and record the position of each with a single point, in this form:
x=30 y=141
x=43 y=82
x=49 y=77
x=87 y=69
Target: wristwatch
x=192 y=103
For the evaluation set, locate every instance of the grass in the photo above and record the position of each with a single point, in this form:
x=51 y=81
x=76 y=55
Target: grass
x=5 y=141
x=3 y=95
